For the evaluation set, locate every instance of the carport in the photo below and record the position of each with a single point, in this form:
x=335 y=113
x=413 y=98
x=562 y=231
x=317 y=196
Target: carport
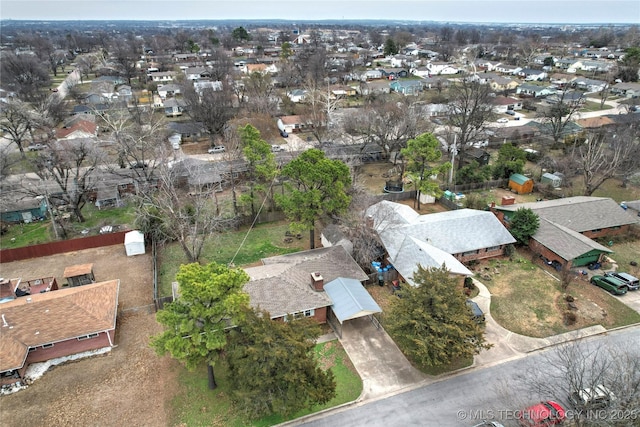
x=350 y=301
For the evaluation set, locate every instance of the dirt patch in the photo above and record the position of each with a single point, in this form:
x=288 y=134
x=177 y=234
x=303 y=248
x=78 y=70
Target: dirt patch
x=129 y=383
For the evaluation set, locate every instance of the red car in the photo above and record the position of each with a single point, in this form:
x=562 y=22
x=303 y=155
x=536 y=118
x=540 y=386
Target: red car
x=543 y=414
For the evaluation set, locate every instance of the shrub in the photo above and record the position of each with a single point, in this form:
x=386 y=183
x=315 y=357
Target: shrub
x=570 y=317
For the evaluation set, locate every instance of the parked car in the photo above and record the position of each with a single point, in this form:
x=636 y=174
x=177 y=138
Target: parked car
x=503 y=120
x=598 y=397
x=632 y=282
x=510 y=112
x=36 y=147
x=284 y=134
x=610 y=284
x=138 y=165
x=543 y=414
x=476 y=311
x=276 y=148
x=216 y=149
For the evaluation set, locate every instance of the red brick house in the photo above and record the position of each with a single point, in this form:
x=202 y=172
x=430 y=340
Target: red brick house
x=567 y=227
x=50 y=325
x=292 y=285
x=434 y=240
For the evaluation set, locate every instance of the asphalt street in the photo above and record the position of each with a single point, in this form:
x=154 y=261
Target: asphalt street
x=495 y=393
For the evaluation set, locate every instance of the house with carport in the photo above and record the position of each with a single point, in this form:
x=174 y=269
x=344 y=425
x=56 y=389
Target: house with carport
x=324 y=284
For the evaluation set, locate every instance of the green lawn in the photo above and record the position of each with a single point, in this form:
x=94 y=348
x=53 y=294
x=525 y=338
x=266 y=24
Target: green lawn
x=263 y=241
x=195 y=405
x=514 y=282
x=19 y=235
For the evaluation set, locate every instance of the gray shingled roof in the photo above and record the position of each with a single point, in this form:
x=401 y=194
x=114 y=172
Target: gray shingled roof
x=282 y=285
x=455 y=232
x=579 y=213
x=567 y=243
x=409 y=253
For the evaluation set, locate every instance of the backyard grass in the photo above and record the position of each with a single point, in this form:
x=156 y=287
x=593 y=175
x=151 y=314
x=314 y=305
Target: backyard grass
x=528 y=300
x=263 y=241
x=19 y=235
x=595 y=106
x=195 y=405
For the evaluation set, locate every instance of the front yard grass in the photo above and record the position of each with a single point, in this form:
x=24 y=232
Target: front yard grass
x=528 y=300
x=196 y=405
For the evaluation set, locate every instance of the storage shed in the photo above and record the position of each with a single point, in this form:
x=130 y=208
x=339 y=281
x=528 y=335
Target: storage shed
x=554 y=180
x=520 y=184
x=78 y=275
x=134 y=243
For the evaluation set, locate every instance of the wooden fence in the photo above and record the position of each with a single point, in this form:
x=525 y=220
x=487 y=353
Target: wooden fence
x=62 y=246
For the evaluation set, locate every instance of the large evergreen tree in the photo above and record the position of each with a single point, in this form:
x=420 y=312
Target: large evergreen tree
x=511 y=159
x=272 y=366
x=210 y=301
x=421 y=153
x=432 y=323
x=317 y=187
x=261 y=163
x=523 y=224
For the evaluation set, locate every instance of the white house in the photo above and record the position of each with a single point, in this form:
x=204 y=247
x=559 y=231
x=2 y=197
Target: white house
x=439 y=68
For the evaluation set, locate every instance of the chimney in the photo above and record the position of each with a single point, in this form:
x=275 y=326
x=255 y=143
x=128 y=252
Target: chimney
x=317 y=282
x=369 y=221
x=508 y=200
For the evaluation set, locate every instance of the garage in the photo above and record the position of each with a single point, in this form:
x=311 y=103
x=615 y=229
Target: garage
x=586 y=259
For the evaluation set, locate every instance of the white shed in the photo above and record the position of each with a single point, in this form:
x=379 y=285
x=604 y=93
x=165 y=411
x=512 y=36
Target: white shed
x=134 y=243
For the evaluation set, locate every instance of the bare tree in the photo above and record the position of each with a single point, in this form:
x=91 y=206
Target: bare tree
x=71 y=165
x=604 y=155
x=388 y=124
x=260 y=94
x=576 y=366
x=188 y=216
x=471 y=109
x=211 y=107
x=17 y=120
x=557 y=116
x=23 y=74
x=140 y=139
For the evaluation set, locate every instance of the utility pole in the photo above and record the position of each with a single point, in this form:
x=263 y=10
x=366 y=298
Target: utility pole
x=454 y=150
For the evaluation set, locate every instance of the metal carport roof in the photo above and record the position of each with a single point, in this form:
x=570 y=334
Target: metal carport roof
x=350 y=299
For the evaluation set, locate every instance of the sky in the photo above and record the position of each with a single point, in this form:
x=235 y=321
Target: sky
x=498 y=11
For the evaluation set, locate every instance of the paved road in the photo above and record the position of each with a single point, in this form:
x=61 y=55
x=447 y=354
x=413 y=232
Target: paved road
x=496 y=392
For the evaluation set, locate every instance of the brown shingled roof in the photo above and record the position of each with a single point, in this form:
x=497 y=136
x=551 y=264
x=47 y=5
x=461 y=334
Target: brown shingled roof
x=55 y=316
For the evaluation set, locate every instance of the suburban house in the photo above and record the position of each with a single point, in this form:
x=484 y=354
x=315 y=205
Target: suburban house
x=534 y=90
x=445 y=239
x=15 y=208
x=406 y=87
x=80 y=129
x=162 y=76
x=498 y=83
x=375 y=87
x=567 y=227
x=174 y=107
x=297 y=95
x=628 y=90
x=168 y=90
x=508 y=69
x=324 y=284
x=50 y=325
x=529 y=74
x=502 y=104
x=294 y=124
x=441 y=68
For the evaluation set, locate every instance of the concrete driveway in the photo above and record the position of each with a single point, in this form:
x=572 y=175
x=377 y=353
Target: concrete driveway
x=381 y=365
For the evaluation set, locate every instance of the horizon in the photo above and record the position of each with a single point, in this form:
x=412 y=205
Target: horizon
x=523 y=12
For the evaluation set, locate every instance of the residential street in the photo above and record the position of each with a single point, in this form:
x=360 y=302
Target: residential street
x=465 y=398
